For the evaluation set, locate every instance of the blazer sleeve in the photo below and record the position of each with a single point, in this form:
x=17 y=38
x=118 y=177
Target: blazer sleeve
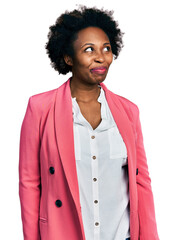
x=146 y=210
x=29 y=172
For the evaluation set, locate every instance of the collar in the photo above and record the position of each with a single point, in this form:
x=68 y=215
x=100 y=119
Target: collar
x=101 y=99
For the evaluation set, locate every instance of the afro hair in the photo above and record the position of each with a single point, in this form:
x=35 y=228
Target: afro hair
x=64 y=32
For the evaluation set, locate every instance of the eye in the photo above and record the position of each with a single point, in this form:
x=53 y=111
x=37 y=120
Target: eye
x=88 y=48
x=108 y=48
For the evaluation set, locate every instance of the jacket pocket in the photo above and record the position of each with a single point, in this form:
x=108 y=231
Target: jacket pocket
x=117 y=146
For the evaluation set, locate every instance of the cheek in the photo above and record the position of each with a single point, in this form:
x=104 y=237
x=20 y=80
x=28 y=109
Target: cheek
x=110 y=59
x=84 y=62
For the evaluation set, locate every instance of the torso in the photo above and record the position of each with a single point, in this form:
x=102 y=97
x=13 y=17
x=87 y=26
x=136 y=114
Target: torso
x=91 y=112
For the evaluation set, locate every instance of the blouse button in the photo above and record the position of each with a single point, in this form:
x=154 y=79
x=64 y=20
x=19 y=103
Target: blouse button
x=96 y=201
x=94 y=179
x=94 y=157
x=96 y=223
x=92 y=137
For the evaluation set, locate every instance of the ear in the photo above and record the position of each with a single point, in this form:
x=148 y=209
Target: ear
x=68 y=60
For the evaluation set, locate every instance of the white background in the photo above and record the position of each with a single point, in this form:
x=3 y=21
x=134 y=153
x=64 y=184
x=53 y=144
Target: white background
x=145 y=73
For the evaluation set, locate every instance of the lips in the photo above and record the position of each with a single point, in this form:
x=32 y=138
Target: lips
x=99 y=70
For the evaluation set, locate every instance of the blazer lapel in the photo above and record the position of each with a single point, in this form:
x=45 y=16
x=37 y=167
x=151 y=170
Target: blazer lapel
x=65 y=138
x=123 y=123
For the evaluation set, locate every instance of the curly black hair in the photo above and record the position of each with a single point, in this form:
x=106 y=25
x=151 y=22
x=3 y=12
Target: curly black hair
x=64 y=32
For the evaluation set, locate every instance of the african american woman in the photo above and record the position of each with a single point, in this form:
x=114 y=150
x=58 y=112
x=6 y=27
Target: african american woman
x=83 y=172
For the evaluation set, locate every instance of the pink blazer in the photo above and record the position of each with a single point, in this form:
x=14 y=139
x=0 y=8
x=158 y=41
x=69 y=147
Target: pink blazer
x=48 y=185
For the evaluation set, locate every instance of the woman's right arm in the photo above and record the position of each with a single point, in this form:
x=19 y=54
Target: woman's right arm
x=29 y=172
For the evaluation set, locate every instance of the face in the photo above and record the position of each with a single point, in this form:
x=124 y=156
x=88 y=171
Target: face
x=92 y=49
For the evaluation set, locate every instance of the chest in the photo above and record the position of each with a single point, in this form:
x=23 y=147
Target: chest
x=91 y=112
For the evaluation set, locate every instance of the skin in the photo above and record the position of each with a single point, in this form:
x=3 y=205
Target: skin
x=91 y=49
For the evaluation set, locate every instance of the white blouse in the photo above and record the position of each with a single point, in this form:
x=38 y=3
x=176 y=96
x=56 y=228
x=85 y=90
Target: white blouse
x=102 y=170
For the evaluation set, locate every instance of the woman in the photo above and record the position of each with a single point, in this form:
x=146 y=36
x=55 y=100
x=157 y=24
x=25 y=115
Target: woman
x=83 y=171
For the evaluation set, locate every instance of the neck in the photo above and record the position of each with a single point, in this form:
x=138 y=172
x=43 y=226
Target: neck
x=84 y=93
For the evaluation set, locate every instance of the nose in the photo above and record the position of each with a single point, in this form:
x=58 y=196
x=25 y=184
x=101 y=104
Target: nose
x=99 y=57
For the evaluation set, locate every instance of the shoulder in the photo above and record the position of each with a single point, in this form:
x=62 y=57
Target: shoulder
x=43 y=96
x=42 y=101
x=129 y=106
x=127 y=103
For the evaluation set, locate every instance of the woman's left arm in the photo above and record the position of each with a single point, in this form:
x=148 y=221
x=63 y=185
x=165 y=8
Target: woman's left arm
x=146 y=209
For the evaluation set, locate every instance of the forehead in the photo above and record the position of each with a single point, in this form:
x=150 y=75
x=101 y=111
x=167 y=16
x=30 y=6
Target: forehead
x=91 y=35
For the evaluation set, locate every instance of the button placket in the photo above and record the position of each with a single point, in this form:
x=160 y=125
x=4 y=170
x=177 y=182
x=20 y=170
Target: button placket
x=94 y=164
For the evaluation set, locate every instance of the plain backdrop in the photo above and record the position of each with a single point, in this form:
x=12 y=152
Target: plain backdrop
x=145 y=73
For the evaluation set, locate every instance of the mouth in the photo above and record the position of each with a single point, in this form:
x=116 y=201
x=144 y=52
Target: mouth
x=99 y=70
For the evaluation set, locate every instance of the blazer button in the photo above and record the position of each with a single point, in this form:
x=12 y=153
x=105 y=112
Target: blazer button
x=58 y=203
x=51 y=169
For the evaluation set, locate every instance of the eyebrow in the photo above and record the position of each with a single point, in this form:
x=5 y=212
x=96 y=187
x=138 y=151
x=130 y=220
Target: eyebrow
x=93 y=44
